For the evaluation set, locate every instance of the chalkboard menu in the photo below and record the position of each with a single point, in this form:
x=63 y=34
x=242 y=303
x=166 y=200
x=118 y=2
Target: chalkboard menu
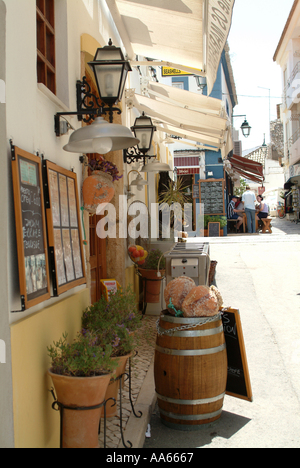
x=64 y=228
x=238 y=379
x=213 y=229
x=30 y=228
x=212 y=196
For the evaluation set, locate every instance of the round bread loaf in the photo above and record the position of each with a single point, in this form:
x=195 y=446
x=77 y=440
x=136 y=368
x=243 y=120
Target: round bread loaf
x=218 y=295
x=177 y=290
x=200 y=302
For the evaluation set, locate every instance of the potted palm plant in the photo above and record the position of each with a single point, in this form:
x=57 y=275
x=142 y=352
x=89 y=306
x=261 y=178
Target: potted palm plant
x=116 y=321
x=174 y=194
x=80 y=372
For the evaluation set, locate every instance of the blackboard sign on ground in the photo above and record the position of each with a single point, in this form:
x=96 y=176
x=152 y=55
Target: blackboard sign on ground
x=214 y=229
x=30 y=228
x=238 y=381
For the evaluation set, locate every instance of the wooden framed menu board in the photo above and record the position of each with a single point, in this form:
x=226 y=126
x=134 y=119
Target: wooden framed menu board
x=30 y=228
x=64 y=228
x=212 y=196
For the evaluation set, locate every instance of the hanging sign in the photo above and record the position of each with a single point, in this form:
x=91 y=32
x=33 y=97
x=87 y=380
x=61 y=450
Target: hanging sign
x=30 y=228
x=168 y=71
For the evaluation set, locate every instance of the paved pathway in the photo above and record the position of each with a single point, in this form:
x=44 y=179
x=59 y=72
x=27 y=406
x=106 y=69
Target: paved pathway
x=141 y=364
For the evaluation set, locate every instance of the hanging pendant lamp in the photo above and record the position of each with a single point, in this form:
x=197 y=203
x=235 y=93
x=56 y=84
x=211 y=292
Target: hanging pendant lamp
x=139 y=183
x=100 y=137
x=156 y=166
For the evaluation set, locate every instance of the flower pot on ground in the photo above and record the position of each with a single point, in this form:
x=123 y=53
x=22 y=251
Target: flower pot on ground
x=80 y=428
x=115 y=322
x=154 y=262
x=80 y=372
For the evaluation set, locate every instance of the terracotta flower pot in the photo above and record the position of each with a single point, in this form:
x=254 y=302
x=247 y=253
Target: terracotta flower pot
x=80 y=428
x=114 y=385
x=151 y=285
x=97 y=189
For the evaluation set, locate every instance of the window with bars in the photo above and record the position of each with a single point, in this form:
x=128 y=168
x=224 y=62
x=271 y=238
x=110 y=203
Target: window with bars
x=45 y=23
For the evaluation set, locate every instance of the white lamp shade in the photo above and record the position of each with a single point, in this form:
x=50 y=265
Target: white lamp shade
x=156 y=166
x=139 y=182
x=100 y=137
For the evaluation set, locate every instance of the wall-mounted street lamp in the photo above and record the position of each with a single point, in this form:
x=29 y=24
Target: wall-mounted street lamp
x=143 y=130
x=245 y=127
x=139 y=182
x=110 y=70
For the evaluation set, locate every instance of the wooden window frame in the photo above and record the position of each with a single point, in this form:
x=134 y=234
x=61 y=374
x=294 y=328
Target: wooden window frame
x=46 y=60
x=56 y=230
x=29 y=198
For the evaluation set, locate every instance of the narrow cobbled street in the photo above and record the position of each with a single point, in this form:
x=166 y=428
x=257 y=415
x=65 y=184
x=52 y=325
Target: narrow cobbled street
x=259 y=275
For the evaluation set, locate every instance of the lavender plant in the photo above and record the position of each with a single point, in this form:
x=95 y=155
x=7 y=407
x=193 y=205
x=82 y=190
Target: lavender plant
x=86 y=356
x=114 y=322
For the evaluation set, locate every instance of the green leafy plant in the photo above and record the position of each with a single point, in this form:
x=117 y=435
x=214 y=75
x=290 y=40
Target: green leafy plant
x=238 y=191
x=115 y=321
x=175 y=193
x=152 y=260
x=215 y=219
x=86 y=356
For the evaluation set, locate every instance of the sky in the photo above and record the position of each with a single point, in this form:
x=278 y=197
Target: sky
x=255 y=32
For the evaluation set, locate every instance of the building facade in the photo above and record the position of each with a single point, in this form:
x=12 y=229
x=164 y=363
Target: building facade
x=287 y=56
x=45 y=47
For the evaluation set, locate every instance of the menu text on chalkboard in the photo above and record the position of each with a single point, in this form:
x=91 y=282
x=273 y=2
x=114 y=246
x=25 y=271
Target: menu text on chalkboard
x=212 y=196
x=30 y=228
x=64 y=228
x=238 y=378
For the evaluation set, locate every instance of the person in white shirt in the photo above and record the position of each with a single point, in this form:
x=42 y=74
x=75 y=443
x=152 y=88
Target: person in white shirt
x=249 y=200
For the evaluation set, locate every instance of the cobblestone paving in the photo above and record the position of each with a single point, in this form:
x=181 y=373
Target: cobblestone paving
x=140 y=366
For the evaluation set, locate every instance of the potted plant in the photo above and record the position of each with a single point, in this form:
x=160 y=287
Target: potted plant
x=174 y=194
x=214 y=219
x=80 y=372
x=154 y=262
x=98 y=188
x=116 y=321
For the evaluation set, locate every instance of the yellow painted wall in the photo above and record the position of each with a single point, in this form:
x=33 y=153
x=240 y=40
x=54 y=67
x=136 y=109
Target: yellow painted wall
x=131 y=279
x=36 y=425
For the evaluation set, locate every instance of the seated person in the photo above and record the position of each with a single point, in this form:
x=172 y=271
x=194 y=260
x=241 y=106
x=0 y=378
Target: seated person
x=263 y=208
x=233 y=212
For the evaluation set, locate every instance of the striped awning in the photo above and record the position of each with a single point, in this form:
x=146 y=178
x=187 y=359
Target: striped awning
x=189 y=35
x=247 y=168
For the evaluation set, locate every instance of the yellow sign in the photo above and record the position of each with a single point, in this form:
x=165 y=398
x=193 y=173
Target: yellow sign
x=168 y=71
x=109 y=287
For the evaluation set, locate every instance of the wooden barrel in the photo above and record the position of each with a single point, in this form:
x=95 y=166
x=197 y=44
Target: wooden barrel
x=190 y=371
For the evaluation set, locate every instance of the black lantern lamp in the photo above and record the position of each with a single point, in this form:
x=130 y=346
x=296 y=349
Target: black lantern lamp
x=246 y=129
x=143 y=130
x=110 y=69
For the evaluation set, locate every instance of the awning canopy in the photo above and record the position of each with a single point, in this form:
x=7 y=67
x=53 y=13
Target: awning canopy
x=187 y=115
x=247 y=168
x=186 y=34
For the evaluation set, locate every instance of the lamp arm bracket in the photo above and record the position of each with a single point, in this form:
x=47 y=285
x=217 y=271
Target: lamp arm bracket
x=132 y=155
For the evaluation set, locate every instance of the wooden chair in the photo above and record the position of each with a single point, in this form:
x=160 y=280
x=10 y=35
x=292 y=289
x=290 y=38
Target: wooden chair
x=266 y=225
